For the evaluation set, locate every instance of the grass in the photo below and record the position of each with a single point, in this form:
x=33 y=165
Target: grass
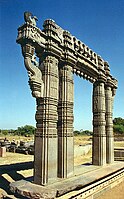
x=81 y=140
x=16 y=137
x=12 y=158
x=119 y=144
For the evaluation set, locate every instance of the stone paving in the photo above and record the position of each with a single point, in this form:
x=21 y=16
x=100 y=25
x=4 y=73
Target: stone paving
x=86 y=175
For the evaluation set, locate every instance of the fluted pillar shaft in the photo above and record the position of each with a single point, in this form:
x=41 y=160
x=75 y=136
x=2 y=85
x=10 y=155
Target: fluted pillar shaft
x=109 y=126
x=46 y=139
x=65 y=123
x=99 y=136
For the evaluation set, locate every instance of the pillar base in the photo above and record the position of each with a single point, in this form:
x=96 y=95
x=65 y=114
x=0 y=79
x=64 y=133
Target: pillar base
x=65 y=157
x=110 y=149
x=45 y=162
x=99 y=150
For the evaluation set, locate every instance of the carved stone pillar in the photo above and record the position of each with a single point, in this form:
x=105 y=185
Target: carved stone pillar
x=34 y=72
x=109 y=125
x=99 y=136
x=46 y=139
x=65 y=123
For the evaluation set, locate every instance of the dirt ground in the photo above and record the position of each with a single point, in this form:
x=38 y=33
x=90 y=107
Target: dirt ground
x=116 y=192
x=17 y=166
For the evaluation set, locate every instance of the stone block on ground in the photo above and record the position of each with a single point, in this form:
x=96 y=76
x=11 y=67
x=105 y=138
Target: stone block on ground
x=30 y=190
x=2 y=151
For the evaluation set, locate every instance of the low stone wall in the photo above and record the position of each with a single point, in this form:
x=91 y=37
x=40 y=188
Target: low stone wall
x=119 y=154
x=82 y=149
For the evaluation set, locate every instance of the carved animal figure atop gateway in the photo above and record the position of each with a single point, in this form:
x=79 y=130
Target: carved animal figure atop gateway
x=51 y=56
x=28 y=17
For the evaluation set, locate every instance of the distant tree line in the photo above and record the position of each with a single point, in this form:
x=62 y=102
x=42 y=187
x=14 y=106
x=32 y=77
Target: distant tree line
x=118 y=128
x=26 y=130
x=83 y=132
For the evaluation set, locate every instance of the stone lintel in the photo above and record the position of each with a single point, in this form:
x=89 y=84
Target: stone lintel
x=53 y=40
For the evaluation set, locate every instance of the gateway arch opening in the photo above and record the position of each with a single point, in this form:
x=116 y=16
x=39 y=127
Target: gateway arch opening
x=83 y=129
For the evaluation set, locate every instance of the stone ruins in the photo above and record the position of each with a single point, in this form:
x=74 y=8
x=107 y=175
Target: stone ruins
x=51 y=56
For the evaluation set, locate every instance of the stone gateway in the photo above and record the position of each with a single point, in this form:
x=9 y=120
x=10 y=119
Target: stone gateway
x=59 y=56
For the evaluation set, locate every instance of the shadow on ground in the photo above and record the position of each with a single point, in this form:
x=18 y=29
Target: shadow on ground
x=12 y=171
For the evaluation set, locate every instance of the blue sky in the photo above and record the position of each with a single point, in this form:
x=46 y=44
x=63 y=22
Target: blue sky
x=99 y=24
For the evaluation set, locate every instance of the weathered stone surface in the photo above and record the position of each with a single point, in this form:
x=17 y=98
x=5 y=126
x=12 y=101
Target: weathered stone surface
x=79 y=181
x=99 y=137
x=29 y=18
x=51 y=56
x=65 y=186
x=65 y=123
x=31 y=190
x=46 y=138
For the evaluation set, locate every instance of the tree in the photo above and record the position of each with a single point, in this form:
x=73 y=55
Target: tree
x=76 y=132
x=25 y=130
x=118 y=121
x=83 y=132
x=87 y=132
x=5 y=132
x=118 y=125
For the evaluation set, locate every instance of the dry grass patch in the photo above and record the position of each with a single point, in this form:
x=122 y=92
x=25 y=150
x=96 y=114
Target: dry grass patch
x=17 y=138
x=12 y=158
x=119 y=144
x=81 y=140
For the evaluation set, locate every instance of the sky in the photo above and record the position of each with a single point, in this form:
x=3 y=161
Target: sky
x=99 y=24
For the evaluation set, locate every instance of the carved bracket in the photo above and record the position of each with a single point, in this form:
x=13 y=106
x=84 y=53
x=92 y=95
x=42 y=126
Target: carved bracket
x=34 y=72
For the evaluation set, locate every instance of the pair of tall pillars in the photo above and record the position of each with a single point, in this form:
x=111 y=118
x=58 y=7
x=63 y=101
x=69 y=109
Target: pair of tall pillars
x=103 y=143
x=54 y=137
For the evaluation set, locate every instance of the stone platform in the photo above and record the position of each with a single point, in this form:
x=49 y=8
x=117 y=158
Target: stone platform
x=86 y=177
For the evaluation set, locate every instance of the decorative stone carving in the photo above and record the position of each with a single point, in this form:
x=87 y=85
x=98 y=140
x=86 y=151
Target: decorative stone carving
x=51 y=81
x=99 y=136
x=65 y=122
x=34 y=72
x=109 y=125
x=28 y=17
x=46 y=137
x=110 y=86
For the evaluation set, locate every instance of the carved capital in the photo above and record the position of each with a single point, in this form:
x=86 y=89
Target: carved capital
x=109 y=82
x=101 y=77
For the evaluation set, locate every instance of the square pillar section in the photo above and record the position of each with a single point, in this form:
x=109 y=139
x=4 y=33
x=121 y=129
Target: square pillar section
x=99 y=136
x=46 y=139
x=65 y=122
